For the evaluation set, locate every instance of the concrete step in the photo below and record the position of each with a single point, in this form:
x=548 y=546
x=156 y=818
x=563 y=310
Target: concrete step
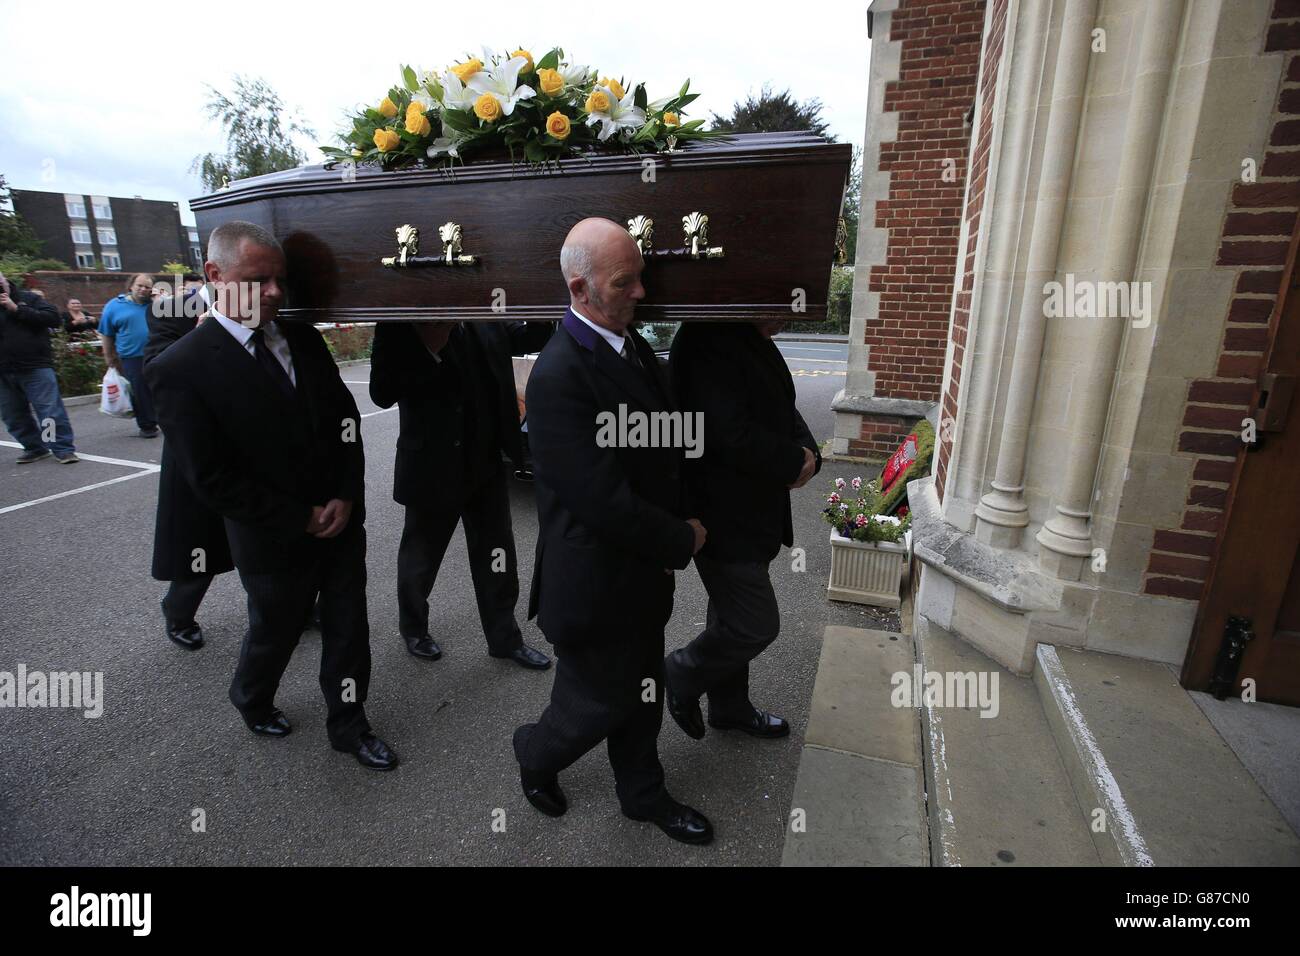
x=998 y=791
x=1145 y=760
x=858 y=796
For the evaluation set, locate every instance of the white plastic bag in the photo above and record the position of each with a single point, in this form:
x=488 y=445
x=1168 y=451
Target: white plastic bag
x=115 y=395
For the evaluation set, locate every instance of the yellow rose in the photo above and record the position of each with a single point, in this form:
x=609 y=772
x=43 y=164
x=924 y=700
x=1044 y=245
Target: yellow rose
x=672 y=119
x=467 y=69
x=551 y=81
x=527 y=56
x=416 y=124
x=388 y=107
x=487 y=108
x=598 y=102
x=387 y=140
x=557 y=124
x=614 y=86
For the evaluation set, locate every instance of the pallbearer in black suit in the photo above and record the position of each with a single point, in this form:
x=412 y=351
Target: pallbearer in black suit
x=268 y=436
x=189 y=542
x=454 y=387
x=756 y=449
x=611 y=529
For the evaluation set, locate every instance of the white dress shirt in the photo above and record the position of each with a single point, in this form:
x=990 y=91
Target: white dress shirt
x=271 y=335
x=616 y=342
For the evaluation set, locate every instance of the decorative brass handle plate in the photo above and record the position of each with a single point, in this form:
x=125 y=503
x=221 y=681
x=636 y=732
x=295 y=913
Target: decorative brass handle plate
x=408 y=245
x=695 y=230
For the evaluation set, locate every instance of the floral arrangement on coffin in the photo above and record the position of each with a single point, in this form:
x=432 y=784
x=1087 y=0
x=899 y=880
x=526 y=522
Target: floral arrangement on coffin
x=853 y=510
x=546 y=110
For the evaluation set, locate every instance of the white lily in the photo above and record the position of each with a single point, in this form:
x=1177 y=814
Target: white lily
x=455 y=95
x=426 y=101
x=444 y=144
x=575 y=75
x=622 y=115
x=658 y=105
x=502 y=84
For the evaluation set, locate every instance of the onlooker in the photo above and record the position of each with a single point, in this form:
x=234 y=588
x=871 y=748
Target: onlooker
x=76 y=319
x=27 y=380
x=124 y=328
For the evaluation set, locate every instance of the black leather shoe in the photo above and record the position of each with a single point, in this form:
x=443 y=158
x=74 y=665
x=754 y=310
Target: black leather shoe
x=188 y=636
x=277 y=725
x=372 y=753
x=686 y=713
x=544 y=793
x=425 y=647
x=678 y=821
x=759 y=724
x=525 y=656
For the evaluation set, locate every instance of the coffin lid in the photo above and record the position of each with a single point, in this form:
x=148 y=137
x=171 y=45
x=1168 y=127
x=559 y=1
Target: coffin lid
x=739 y=150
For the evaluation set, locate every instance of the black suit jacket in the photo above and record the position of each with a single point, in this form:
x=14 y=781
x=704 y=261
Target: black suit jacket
x=257 y=457
x=183 y=522
x=427 y=393
x=754 y=437
x=610 y=519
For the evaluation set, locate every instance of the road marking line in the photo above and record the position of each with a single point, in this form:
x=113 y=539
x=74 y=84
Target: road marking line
x=348 y=381
x=77 y=491
x=818 y=361
x=802 y=348
x=380 y=412
x=147 y=465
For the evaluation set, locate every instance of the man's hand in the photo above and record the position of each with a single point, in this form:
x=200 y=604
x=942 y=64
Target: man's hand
x=809 y=469
x=700 y=534
x=333 y=518
x=434 y=335
x=8 y=303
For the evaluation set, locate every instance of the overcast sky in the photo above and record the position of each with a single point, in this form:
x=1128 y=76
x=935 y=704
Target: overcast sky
x=107 y=98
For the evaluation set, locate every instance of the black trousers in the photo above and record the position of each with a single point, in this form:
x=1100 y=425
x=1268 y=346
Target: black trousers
x=275 y=616
x=485 y=510
x=611 y=690
x=184 y=595
x=743 y=619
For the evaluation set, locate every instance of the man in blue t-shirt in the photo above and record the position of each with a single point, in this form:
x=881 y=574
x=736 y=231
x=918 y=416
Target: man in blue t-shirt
x=124 y=327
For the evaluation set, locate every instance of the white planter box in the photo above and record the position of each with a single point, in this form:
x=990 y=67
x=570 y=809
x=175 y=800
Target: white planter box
x=866 y=572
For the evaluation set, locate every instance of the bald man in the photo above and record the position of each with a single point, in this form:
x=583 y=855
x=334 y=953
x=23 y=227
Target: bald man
x=611 y=531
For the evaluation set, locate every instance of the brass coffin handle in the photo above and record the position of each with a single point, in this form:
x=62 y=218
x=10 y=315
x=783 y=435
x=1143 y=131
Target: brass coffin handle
x=408 y=247
x=642 y=229
x=695 y=227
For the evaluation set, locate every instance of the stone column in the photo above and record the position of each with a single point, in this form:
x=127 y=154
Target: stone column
x=1066 y=537
x=1005 y=204
x=1002 y=512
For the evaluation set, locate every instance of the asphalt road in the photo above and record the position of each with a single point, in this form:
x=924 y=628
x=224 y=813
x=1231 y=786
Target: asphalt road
x=125 y=788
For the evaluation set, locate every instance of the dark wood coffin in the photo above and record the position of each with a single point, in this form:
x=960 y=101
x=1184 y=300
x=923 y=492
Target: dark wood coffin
x=772 y=202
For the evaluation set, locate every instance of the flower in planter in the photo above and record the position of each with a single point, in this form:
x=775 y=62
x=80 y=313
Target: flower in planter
x=860 y=521
x=857 y=484
x=839 y=484
x=833 y=499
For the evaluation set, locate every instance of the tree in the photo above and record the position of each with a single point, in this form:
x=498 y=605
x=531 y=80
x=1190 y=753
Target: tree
x=258 y=135
x=17 y=238
x=773 y=113
x=853 y=207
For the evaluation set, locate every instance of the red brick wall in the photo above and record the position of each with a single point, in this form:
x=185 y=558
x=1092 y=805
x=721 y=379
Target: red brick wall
x=935 y=89
x=1257 y=228
x=974 y=208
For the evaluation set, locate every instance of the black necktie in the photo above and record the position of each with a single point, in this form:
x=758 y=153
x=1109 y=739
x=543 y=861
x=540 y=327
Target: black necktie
x=270 y=364
x=629 y=354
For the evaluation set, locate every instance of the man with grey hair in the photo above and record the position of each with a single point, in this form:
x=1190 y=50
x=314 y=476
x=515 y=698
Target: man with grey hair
x=611 y=529
x=267 y=435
